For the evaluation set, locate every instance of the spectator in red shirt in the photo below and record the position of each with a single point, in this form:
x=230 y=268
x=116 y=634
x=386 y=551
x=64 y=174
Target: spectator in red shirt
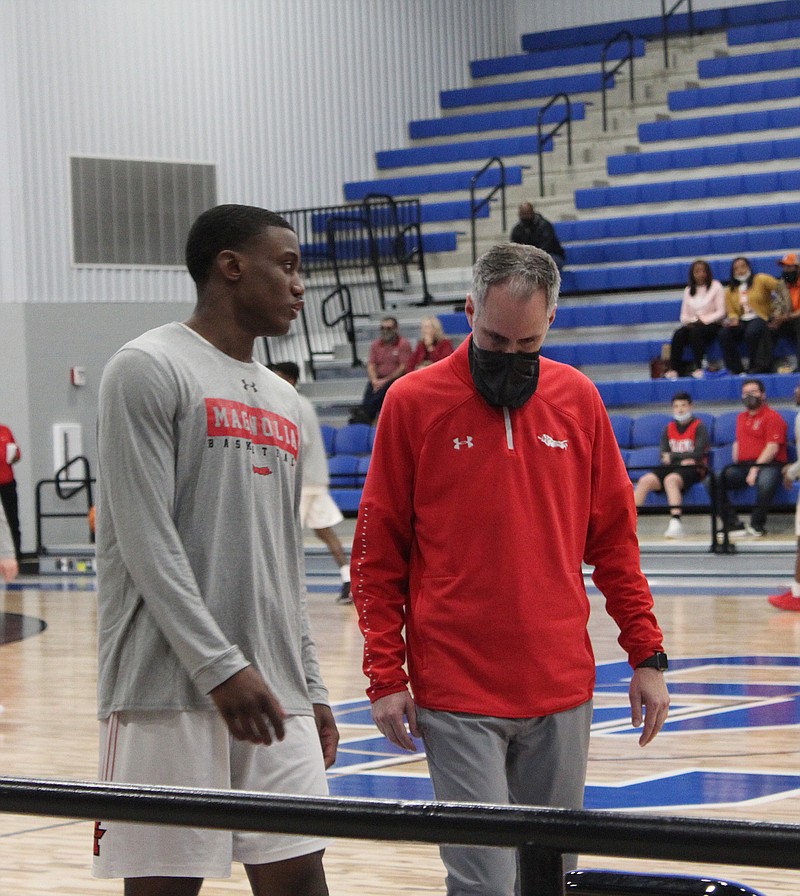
x=388 y=359
x=9 y=455
x=760 y=441
x=432 y=346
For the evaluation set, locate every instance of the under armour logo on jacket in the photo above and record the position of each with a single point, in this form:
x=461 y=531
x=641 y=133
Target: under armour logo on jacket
x=457 y=443
x=246 y=386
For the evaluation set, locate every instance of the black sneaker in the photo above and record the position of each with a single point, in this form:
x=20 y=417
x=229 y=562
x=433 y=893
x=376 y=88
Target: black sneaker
x=345 y=597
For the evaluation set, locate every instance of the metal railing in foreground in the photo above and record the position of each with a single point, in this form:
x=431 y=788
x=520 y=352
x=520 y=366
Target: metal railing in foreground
x=542 y=836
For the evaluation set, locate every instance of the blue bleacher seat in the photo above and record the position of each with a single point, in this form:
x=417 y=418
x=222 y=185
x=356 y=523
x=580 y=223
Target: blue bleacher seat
x=328 y=435
x=590 y=82
x=621 y=424
x=505 y=119
x=414 y=185
x=347 y=499
x=640 y=460
x=362 y=467
x=647 y=429
x=440 y=153
x=343 y=470
x=725 y=427
x=352 y=438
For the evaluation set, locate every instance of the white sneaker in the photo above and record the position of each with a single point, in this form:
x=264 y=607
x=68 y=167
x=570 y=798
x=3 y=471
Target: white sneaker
x=674 y=529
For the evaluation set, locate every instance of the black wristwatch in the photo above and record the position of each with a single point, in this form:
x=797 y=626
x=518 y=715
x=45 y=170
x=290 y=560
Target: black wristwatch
x=656 y=661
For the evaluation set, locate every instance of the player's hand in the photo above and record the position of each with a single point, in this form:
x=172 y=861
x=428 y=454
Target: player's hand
x=649 y=702
x=390 y=714
x=250 y=709
x=328 y=732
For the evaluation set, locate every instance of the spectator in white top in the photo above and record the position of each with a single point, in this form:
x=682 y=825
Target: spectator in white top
x=702 y=313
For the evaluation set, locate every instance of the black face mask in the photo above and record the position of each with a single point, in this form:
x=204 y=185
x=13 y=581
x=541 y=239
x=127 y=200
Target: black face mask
x=752 y=402
x=504 y=379
x=790 y=276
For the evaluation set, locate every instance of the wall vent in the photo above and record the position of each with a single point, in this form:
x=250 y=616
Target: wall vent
x=133 y=213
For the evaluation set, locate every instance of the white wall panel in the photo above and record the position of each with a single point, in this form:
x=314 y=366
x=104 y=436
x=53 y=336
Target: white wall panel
x=289 y=98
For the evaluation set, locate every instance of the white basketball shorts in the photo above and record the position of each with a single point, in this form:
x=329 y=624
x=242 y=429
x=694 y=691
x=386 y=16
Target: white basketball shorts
x=194 y=749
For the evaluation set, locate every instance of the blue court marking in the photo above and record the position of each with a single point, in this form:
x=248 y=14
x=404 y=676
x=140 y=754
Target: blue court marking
x=369 y=766
x=671 y=791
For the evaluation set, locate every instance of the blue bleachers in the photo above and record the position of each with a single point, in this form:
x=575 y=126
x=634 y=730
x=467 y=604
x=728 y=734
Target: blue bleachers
x=731 y=242
x=441 y=153
x=696 y=188
x=686 y=221
x=765 y=32
x=543 y=59
x=522 y=90
x=416 y=185
x=703 y=156
x=652 y=27
x=748 y=63
x=749 y=92
x=476 y=122
x=719 y=125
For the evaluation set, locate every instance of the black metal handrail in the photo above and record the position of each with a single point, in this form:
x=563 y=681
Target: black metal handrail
x=370 y=237
x=542 y=139
x=607 y=75
x=542 y=836
x=65 y=486
x=405 y=249
x=665 y=17
x=476 y=206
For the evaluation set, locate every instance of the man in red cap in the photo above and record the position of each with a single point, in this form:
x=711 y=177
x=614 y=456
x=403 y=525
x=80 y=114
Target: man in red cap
x=787 y=324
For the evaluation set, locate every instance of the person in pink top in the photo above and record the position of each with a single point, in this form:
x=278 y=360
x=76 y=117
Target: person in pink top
x=432 y=345
x=702 y=313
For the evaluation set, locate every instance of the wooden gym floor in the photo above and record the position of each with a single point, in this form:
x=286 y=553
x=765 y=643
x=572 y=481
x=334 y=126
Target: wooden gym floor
x=731 y=750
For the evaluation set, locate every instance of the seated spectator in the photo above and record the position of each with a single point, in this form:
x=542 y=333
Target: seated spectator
x=684 y=454
x=702 y=312
x=790 y=599
x=432 y=346
x=750 y=303
x=788 y=324
x=534 y=229
x=388 y=360
x=760 y=453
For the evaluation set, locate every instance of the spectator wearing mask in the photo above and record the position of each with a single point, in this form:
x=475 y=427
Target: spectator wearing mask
x=787 y=325
x=534 y=229
x=388 y=360
x=702 y=313
x=749 y=308
x=684 y=454
x=761 y=443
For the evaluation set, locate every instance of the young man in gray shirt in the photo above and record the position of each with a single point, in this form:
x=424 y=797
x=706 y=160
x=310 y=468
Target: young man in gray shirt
x=208 y=674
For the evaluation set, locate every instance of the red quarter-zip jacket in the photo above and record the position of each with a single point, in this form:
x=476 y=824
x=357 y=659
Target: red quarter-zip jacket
x=467 y=555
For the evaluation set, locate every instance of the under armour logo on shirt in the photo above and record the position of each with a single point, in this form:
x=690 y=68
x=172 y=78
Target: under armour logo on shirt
x=457 y=443
x=247 y=386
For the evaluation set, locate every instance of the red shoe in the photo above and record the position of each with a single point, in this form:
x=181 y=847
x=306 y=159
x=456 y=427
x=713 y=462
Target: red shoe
x=785 y=601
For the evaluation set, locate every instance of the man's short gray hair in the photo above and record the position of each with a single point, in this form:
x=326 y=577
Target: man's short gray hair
x=523 y=269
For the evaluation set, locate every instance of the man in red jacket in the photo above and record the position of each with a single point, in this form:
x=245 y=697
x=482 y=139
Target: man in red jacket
x=494 y=475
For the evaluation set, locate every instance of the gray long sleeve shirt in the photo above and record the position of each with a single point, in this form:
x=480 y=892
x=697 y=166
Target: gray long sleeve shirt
x=199 y=551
